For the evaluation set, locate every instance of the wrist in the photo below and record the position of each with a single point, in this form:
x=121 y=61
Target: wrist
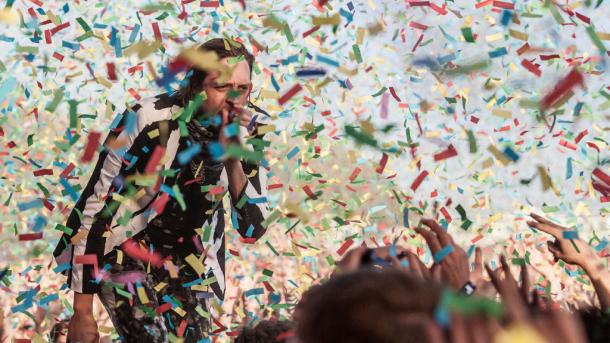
x=83 y=303
x=595 y=268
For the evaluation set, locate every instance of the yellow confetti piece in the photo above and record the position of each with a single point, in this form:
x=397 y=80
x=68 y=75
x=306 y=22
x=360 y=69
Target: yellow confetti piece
x=502 y=113
x=266 y=128
x=603 y=35
x=180 y=311
x=143 y=48
x=80 y=235
x=154 y=133
x=160 y=286
x=498 y=155
x=205 y=314
x=332 y=20
x=518 y=35
x=195 y=263
x=169 y=265
x=519 y=333
x=9 y=16
x=142 y=295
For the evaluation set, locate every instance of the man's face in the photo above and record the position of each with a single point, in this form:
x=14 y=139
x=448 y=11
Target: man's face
x=228 y=93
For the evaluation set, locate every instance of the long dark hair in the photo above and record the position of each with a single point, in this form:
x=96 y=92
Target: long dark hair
x=195 y=76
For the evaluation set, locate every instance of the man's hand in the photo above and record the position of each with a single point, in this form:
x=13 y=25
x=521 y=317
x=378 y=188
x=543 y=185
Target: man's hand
x=578 y=252
x=572 y=251
x=83 y=327
x=454 y=267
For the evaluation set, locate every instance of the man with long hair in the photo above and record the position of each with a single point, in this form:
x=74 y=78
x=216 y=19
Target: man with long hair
x=147 y=233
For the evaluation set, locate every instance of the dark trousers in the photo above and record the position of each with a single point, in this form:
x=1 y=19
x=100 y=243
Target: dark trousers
x=143 y=310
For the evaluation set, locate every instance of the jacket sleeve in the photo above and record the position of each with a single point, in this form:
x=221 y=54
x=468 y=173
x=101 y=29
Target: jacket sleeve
x=250 y=210
x=126 y=151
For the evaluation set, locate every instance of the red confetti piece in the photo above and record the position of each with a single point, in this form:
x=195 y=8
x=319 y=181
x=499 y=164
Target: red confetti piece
x=417 y=43
x=37 y=2
x=567 y=144
x=309 y=193
x=503 y=4
x=562 y=87
x=154 y=160
x=382 y=163
x=418 y=180
x=159 y=204
x=58 y=56
x=525 y=47
x=209 y=4
x=90 y=259
x=548 y=57
x=216 y=190
x=47 y=37
x=531 y=67
x=439 y=10
x=60 y=27
x=345 y=246
x=581 y=136
x=354 y=174
x=135 y=251
x=163 y=308
x=417 y=25
x=111 y=71
x=445 y=154
x=310 y=31
x=93 y=142
x=483 y=3
x=134 y=94
x=446 y=214
x=66 y=172
x=393 y=92
x=291 y=92
x=30 y=236
x=41 y=172
x=157 y=31
x=602 y=176
x=275 y=186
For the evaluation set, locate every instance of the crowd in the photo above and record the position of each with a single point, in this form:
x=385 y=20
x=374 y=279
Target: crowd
x=389 y=295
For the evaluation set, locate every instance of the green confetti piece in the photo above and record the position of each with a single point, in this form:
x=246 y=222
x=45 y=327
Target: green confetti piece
x=272 y=217
x=381 y=91
x=357 y=54
x=206 y=233
x=467 y=33
x=268 y=272
x=288 y=34
x=179 y=197
x=598 y=43
x=472 y=142
x=272 y=248
x=59 y=94
x=83 y=24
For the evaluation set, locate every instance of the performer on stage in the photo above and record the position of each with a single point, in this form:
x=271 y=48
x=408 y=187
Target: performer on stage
x=147 y=234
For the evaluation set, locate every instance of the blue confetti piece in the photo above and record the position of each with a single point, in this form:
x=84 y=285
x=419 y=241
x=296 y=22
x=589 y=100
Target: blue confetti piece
x=62 y=267
x=405 y=217
x=8 y=85
x=39 y=223
x=311 y=72
x=71 y=192
x=250 y=231
x=347 y=15
x=192 y=283
x=327 y=60
x=511 y=154
x=441 y=254
x=234 y=219
x=569 y=168
x=506 y=16
x=601 y=245
x=134 y=33
x=23 y=206
x=187 y=155
x=254 y=291
x=70 y=45
x=293 y=152
x=498 y=52
x=231 y=130
x=216 y=150
x=570 y=234
x=258 y=200
x=578 y=108
x=48 y=299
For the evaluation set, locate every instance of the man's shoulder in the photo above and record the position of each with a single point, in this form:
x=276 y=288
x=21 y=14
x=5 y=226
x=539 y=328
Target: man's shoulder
x=156 y=108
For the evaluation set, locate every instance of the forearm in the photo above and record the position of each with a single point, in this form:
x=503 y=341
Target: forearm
x=236 y=177
x=83 y=303
x=600 y=278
